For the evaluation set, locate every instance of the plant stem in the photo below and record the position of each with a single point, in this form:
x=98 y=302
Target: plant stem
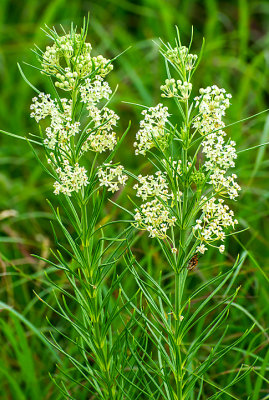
x=101 y=356
x=178 y=371
x=180 y=278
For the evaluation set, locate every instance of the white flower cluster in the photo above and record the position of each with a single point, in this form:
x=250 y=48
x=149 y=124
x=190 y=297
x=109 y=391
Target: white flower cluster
x=155 y=218
x=61 y=127
x=220 y=156
x=151 y=185
x=101 y=136
x=111 y=176
x=70 y=62
x=176 y=89
x=69 y=59
x=58 y=134
x=41 y=109
x=152 y=129
x=70 y=179
x=212 y=104
x=181 y=57
x=101 y=65
x=210 y=227
x=94 y=91
x=225 y=184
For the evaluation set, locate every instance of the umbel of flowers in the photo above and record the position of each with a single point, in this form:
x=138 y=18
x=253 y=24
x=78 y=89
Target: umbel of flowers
x=69 y=63
x=187 y=195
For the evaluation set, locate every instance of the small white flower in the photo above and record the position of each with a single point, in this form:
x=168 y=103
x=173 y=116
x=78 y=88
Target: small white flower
x=221 y=248
x=201 y=248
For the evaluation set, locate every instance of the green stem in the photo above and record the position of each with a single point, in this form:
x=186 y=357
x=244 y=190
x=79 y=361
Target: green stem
x=178 y=372
x=104 y=361
x=102 y=357
x=180 y=278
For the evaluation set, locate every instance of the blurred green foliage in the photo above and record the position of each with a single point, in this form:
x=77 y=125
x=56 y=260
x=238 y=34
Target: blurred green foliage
x=236 y=57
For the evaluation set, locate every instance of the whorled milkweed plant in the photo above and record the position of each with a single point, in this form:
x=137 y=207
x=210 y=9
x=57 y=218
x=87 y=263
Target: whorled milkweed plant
x=183 y=205
x=79 y=141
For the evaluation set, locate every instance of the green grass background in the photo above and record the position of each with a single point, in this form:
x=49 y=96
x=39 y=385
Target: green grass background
x=236 y=57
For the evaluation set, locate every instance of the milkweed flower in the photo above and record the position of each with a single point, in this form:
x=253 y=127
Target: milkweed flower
x=61 y=128
x=181 y=186
x=152 y=132
x=152 y=186
x=216 y=217
x=70 y=64
x=101 y=136
x=181 y=58
x=69 y=60
x=220 y=156
x=94 y=91
x=111 y=176
x=70 y=179
x=155 y=218
x=178 y=89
